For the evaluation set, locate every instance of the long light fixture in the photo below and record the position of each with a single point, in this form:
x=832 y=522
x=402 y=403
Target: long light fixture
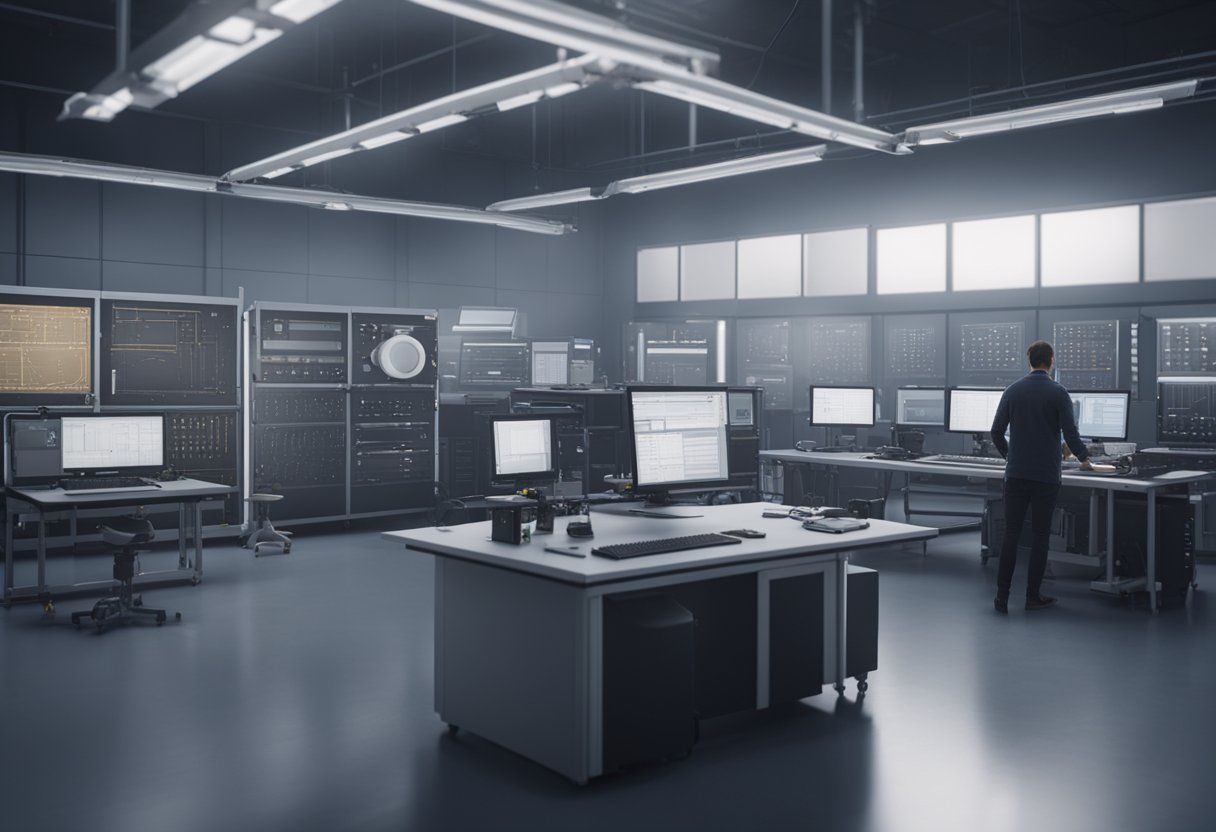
x=551 y=81
x=562 y=25
x=1125 y=101
x=668 y=179
x=204 y=40
x=328 y=200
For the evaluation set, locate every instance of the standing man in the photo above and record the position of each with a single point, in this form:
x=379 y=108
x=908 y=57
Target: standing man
x=1036 y=410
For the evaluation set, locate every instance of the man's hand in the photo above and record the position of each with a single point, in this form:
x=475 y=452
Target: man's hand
x=1087 y=466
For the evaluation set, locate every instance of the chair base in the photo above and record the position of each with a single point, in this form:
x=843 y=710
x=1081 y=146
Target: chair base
x=266 y=540
x=121 y=609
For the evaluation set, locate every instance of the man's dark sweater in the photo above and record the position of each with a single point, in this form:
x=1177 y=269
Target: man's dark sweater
x=1036 y=410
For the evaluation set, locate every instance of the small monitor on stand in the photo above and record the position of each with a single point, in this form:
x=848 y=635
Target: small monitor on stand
x=131 y=445
x=550 y=363
x=679 y=440
x=971 y=410
x=1101 y=414
x=841 y=407
x=523 y=449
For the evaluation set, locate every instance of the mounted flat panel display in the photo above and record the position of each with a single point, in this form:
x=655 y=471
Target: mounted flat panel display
x=836 y=263
x=988 y=349
x=920 y=407
x=156 y=353
x=839 y=350
x=911 y=259
x=1096 y=246
x=707 y=271
x=915 y=347
x=842 y=406
x=764 y=359
x=770 y=267
x=993 y=254
x=658 y=274
x=1178 y=240
x=1186 y=347
x=46 y=350
x=1186 y=413
x=1087 y=354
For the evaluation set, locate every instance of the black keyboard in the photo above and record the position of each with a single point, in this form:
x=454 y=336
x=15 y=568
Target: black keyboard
x=960 y=459
x=621 y=551
x=105 y=484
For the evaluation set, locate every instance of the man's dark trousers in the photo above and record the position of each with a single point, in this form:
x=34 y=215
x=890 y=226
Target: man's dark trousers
x=1040 y=498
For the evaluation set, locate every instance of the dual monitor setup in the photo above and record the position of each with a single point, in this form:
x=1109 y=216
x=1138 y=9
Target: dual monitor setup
x=1100 y=414
x=678 y=435
x=82 y=447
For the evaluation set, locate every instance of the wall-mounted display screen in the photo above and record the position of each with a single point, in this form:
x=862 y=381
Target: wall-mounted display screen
x=46 y=350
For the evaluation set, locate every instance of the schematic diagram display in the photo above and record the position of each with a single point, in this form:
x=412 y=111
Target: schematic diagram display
x=992 y=348
x=45 y=350
x=1186 y=346
x=914 y=352
x=839 y=351
x=168 y=353
x=1186 y=414
x=1087 y=354
x=764 y=359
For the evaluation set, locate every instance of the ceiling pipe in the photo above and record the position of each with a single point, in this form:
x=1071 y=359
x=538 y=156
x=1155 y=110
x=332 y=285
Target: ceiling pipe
x=122 y=31
x=826 y=55
x=859 y=42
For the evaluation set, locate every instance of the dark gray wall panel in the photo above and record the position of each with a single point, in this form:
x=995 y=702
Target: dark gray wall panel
x=448 y=296
x=522 y=260
x=62 y=272
x=151 y=225
x=402 y=294
x=351 y=244
x=451 y=253
x=152 y=277
x=555 y=314
x=62 y=217
x=350 y=291
x=264 y=236
x=290 y=288
x=574 y=264
x=8 y=212
x=8 y=269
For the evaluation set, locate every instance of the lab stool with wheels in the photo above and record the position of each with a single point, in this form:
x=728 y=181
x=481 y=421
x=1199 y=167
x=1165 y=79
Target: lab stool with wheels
x=262 y=536
x=124 y=534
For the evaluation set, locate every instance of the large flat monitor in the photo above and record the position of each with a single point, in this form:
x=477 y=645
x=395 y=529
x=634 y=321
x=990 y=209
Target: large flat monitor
x=1101 y=414
x=103 y=443
x=920 y=407
x=679 y=437
x=842 y=406
x=523 y=449
x=1186 y=413
x=971 y=409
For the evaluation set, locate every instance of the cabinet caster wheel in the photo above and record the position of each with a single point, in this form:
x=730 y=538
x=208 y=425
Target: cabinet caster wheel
x=839 y=688
x=177 y=616
x=195 y=581
x=453 y=730
x=862 y=686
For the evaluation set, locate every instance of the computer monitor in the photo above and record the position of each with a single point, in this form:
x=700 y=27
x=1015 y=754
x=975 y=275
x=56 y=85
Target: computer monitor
x=523 y=448
x=971 y=409
x=679 y=437
x=1101 y=414
x=105 y=443
x=920 y=407
x=842 y=406
x=550 y=363
x=1186 y=413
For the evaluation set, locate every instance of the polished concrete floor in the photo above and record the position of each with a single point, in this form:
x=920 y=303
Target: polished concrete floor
x=296 y=695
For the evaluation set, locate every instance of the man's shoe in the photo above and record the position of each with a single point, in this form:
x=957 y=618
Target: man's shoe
x=1001 y=604
x=1040 y=603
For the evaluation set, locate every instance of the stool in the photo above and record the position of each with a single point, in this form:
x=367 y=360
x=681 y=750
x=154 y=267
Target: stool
x=263 y=536
x=124 y=534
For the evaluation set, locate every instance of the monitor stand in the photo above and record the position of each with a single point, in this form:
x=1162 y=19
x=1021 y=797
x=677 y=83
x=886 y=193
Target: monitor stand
x=831 y=448
x=983 y=445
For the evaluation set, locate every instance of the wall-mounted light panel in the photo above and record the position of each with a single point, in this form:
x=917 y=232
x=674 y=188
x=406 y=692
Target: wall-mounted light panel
x=658 y=274
x=1091 y=247
x=707 y=271
x=911 y=259
x=836 y=262
x=770 y=267
x=1178 y=240
x=993 y=254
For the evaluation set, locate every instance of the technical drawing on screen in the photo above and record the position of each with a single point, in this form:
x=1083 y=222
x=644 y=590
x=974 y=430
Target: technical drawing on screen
x=168 y=353
x=45 y=351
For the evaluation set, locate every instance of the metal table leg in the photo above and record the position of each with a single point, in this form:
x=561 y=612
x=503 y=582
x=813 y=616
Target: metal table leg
x=182 y=561
x=1151 y=565
x=41 y=552
x=198 y=541
x=9 y=517
x=1110 y=536
x=842 y=596
x=1092 y=548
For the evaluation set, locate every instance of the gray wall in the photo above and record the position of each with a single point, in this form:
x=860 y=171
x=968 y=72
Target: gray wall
x=78 y=234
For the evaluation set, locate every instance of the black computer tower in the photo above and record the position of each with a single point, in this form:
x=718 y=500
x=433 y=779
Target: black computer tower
x=649 y=680
x=1175 y=543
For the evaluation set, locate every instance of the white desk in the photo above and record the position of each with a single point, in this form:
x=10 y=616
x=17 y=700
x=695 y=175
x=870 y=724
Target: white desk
x=1096 y=484
x=518 y=631
x=43 y=504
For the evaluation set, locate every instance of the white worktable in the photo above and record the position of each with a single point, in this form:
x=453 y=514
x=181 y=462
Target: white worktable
x=518 y=631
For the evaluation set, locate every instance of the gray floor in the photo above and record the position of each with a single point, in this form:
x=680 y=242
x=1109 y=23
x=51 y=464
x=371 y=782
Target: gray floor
x=296 y=695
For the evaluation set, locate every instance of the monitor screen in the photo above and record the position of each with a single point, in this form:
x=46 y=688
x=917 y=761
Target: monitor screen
x=972 y=410
x=523 y=448
x=1101 y=414
x=1186 y=413
x=842 y=406
x=920 y=407
x=550 y=363
x=679 y=437
x=103 y=442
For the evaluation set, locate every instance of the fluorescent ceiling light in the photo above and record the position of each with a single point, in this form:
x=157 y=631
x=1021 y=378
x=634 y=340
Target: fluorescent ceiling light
x=205 y=39
x=1125 y=101
x=668 y=179
x=718 y=95
x=562 y=25
x=101 y=171
x=561 y=78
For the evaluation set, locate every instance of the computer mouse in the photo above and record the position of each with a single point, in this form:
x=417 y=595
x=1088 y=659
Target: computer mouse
x=833 y=512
